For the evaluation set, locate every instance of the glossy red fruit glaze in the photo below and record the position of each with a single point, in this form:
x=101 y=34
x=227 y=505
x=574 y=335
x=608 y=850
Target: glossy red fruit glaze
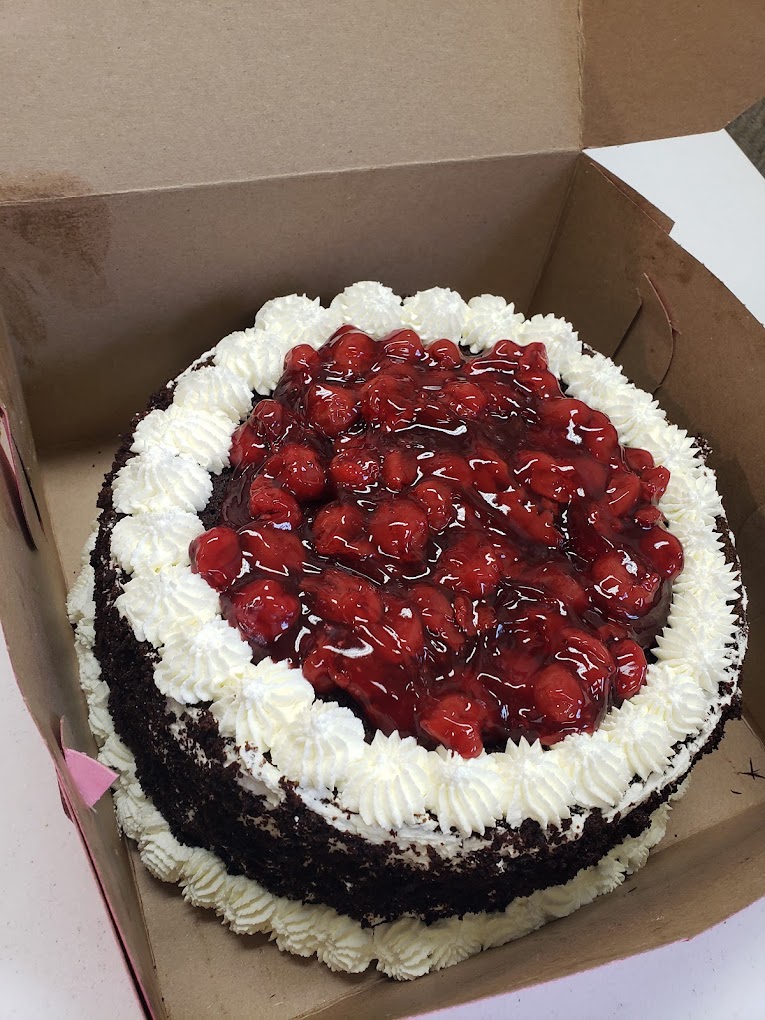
x=662 y=551
x=217 y=557
x=345 y=598
x=437 y=500
x=354 y=469
x=263 y=610
x=301 y=358
x=630 y=668
x=455 y=721
x=655 y=481
x=271 y=549
x=338 y=529
x=399 y=527
x=557 y=695
x=458 y=550
x=270 y=504
x=399 y=469
x=389 y=400
x=465 y=399
x=273 y=421
x=247 y=447
x=353 y=352
x=445 y=354
x=298 y=469
x=331 y=409
x=403 y=345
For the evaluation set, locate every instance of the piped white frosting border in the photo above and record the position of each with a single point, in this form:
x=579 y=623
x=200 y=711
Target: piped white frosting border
x=403 y=949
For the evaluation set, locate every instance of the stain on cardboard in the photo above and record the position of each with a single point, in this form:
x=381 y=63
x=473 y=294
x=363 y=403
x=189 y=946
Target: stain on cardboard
x=56 y=237
x=32 y=187
x=20 y=311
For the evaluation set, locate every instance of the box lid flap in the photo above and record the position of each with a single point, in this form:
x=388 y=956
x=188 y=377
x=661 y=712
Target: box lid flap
x=100 y=100
x=656 y=70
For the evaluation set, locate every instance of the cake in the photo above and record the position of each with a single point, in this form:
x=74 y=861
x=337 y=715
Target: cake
x=403 y=623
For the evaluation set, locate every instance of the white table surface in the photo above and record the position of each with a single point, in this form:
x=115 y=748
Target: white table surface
x=58 y=957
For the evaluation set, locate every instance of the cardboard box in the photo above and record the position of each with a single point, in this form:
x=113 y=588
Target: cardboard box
x=160 y=180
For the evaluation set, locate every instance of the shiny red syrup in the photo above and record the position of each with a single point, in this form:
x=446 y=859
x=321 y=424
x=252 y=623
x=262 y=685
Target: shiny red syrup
x=462 y=550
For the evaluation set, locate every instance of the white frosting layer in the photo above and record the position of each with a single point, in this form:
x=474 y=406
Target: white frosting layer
x=490 y=318
x=172 y=604
x=435 y=314
x=201 y=435
x=297 y=319
x=153 y=541
x=320 y=746
x=375 y=309
x=157 y=481
x=255 y=356
x=214 y=389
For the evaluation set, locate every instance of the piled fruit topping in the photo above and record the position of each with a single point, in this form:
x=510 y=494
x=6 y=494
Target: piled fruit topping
x=462 y=550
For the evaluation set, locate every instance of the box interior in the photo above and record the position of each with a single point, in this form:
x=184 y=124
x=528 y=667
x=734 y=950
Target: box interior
x=135 y=233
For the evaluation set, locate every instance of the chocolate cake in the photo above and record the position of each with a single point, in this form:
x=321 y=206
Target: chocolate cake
x=403 y=623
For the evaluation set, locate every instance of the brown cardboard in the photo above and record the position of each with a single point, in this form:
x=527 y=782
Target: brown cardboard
x=40 y=645
x=160 y=181
x=657 y=70
x=206 y=93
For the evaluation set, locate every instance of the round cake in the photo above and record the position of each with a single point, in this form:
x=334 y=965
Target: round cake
x=403 y=623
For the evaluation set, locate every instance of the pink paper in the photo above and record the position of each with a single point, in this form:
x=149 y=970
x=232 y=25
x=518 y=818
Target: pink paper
x=91 y=778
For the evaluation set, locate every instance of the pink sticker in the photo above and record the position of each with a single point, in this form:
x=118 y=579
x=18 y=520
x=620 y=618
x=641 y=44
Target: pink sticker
x=91 y=778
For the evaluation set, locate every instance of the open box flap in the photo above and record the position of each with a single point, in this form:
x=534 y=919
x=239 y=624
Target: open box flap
x=101 y=100
x=39 y=641
x=654 y=70
x=98 y=101
x=634 y=293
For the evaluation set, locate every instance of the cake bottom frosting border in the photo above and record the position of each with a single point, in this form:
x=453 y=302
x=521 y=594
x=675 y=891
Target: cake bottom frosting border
x=403 y=949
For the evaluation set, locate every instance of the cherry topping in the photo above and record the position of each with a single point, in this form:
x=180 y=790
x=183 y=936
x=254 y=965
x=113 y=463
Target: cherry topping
x=557 y=695
x=355 y=469
x=404 y=345
x=630 y=668
x=399 y=469
x=272 y=505
x=399 y=527
x=302 y=358
x=332 y=409
x=437 y=500
x=247 y=447
x=273 y=421
x=447 y=543
x=263 y=610
x=299 y=470
x=455 y=721
x=445 y=354
x=344 y=598
x=354 y=352
x=271 y=549
x=338 y=530
x=217 y=557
